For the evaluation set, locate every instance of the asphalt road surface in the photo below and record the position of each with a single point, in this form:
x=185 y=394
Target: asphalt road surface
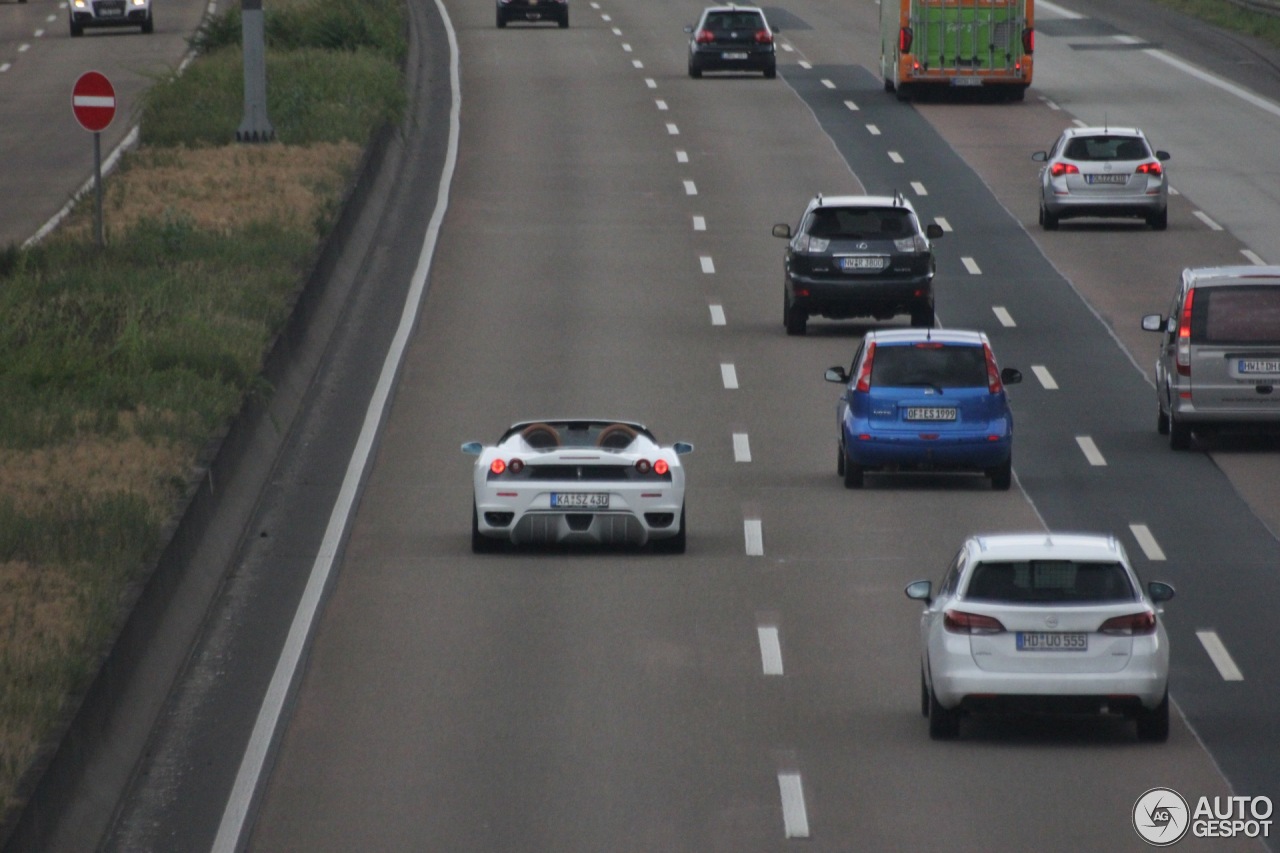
x=606 y=252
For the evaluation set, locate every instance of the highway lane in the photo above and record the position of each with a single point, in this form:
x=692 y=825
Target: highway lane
x=47 y=156
x=629 y=701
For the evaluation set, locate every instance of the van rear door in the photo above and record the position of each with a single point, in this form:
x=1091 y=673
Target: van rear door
x=1235 y=349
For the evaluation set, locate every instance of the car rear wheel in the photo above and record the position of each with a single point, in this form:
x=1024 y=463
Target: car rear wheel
x=1048 y=220
x=695 y=68
x=839 y=461
x=1159 y=221
x=853 y=474
x=1153 y=725
x=77 y=30
x=924 y=696
x=1002 y=476
x=795 y=318
x=481 y=544
x=502 y=20
x=148 y=26
x=771 y=72
x=1179 y=434
x=943 y=724
x=1162 y=421
x=564 y=20
x=674 y=545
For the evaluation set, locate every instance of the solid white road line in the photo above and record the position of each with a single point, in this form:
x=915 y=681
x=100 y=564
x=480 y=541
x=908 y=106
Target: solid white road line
x=918 y=188
x=690 y=188
x=717 y=315
x=753 y=532
x=741 y=447
x=708 y=265
x=1003 y=315
x=1254 y=257
x=1046 y=378
x=699 y=223
x=896 y=157
x=1147 y=542
x=265 y=727
x=971 y=265
x=1204 y=217
x=1220 y=656
x=795 y=821
x=729 y=375
x=1090 y=451
x=770 y=650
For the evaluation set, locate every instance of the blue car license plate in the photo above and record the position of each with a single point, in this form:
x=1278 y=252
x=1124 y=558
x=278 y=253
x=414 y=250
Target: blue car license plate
x=930 y=413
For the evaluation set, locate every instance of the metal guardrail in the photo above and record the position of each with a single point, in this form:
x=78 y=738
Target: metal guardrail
x=1266 y=7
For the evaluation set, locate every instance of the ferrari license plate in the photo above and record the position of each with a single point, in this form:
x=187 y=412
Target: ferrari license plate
x=1048 y=641
x=580 y=500
x=930 y=413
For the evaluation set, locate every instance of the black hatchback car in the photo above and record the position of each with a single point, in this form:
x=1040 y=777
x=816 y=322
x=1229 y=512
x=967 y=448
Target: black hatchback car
x=858 y=256
x=556 y=11
x=732 y=38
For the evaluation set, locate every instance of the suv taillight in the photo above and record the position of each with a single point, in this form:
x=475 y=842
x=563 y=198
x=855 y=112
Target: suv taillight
x=1184 y=336
x=959 y=622
x=864 y=375
x=994 y=385
x=1130 y=625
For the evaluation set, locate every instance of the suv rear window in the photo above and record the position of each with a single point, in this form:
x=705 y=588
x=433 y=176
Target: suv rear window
x=862 y=223
x=1049 y=580
x=930 y=364
x=1236 y=315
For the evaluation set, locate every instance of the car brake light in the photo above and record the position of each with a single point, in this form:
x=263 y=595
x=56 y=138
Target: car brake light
x=1130 y=625
x=994 y=385
x=1152 y=168
x=1029 y=40
x=959 y=622
x=864 y=375
x=1184 y=337
x=661 y=467
x=1057 y=170
x=497 y=466
x=764 y=37
x=905 y=37
x=705 y=37
x=927 y=345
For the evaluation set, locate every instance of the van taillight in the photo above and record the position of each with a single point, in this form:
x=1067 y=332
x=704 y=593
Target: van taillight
x=864 y=375
x=905 y=37
x=1184 y=336
x=1029 y=40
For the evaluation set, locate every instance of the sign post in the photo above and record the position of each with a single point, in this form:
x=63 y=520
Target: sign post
x=93 y=101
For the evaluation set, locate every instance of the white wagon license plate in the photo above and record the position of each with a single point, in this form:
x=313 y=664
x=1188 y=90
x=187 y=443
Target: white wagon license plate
x=580 y=500
x=929 y=413
x=733 y=55
x=1045 y=641
x=1257 y=365
x=1107 y=179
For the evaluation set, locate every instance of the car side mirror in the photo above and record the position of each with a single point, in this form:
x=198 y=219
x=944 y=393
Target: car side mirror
x=1160 y=591
x=836 y=374
x=1040 y=156
x=920 y=591
x=933 y=231
x=682 y=447
x=783 y=231
x=1010 y=376
x=1162 y=155
x=688 y=29
x=472 y=448
x=1153 y=323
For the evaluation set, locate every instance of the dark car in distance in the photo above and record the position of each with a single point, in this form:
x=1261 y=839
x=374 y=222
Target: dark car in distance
x=533 y=11
x=732 y=38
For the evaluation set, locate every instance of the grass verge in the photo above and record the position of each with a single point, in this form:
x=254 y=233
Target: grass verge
x=117 y=365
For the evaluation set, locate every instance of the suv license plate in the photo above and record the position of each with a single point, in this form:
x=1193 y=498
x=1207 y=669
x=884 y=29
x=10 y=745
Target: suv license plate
x=580 y=500
x=1045 y=641
x=1257 y=365
x=930 y=413
x=861 y=263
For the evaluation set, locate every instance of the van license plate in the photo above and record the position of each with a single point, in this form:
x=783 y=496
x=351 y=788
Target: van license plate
x=1258 y=365
x=1046 y=641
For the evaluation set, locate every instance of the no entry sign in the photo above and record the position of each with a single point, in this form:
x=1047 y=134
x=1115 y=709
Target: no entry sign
x=93 y=100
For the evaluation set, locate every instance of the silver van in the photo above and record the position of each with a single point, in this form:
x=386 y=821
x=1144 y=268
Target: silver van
x=1219 y=358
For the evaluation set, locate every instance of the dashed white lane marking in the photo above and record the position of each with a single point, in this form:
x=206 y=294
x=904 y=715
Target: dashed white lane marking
x=1220 y=656
x=805 y=65
x=1147 y=542
x=699 y=223
x=605 y=18
x=38 y=34
x=918 y=188
x=1003 y=315
x=943 y=224
x=788 y=48
x=873 y=130
x=1254 y=257
x=828 y=84
x=1091 y=451
x=852 y=106
x=595 y=6
x=741 y=447
x=617 y=32
x=651 y=83
x=795 y=821
x=660 y=104
x=729 y=376
x=770 y=650
x=1173 y=190
x=23 y=48
x=1046 y=378
x=681 y=156
x=971 y=265
x=673 y=130
x=1203 y=217
x=5 y=67
x=896 y=157
x=626 y=48
x=717 y=315
x=753 y=532
x=635 y=63
x=708 y=265
x=690 y=188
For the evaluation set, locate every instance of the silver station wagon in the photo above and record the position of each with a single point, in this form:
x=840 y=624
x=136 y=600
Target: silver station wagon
x=1218 y=364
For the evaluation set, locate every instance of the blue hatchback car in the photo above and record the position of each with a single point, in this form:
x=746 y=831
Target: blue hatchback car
x=925 y=399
